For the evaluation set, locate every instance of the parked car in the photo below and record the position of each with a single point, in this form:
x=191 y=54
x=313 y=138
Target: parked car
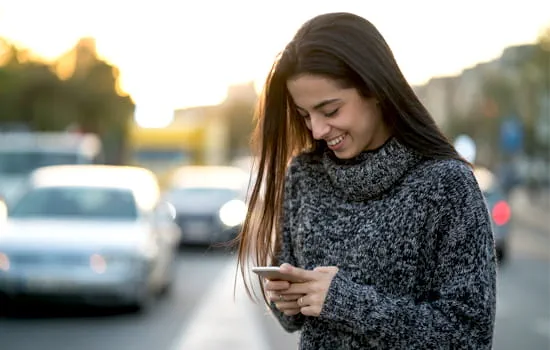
x=23 y=152
x=499 y=209
x=91 y=233
x=209 y=202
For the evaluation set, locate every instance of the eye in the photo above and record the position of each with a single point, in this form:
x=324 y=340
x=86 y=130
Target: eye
x=333 y=113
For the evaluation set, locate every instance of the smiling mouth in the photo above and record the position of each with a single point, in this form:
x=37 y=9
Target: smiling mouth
x=336 y=140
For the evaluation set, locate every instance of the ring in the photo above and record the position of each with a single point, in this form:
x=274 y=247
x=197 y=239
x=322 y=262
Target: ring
x=281 y=297
x=301 y=301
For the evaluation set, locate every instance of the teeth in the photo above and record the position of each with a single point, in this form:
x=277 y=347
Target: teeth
x=336 y=141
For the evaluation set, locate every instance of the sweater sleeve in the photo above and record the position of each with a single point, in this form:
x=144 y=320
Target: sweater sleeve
x=286 y=253
x=460 y=312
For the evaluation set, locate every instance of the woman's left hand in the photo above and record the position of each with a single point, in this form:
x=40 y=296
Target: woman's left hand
x=314 y=288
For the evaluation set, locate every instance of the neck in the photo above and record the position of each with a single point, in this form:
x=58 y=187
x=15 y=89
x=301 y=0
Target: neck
x=372 y=172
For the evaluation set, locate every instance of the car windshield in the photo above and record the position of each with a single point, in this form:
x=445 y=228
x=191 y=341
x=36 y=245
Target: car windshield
x=22 y=163
x=76 y=202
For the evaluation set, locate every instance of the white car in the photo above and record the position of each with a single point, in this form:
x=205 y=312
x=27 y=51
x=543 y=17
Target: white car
x=91 y=233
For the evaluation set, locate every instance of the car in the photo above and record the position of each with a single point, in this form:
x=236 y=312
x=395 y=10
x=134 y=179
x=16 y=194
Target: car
x=96 y=234
x=499 y=209
x=209 y=202
x=22 y=152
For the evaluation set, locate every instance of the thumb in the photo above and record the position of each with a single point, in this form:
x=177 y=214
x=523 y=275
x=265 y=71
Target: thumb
x=326 y=269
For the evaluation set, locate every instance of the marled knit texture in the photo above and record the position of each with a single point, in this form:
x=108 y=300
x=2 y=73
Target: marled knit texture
x=413 y=242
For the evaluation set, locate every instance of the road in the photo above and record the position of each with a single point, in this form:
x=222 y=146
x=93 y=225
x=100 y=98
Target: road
x=202 y=314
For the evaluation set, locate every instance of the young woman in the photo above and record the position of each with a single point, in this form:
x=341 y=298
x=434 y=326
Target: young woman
x=361 y=197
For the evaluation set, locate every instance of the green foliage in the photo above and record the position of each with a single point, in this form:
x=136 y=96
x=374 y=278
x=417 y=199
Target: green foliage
x=33 y=94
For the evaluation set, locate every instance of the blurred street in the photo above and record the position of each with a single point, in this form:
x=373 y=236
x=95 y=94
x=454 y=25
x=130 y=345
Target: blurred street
x=201 y=313
x=128 y=147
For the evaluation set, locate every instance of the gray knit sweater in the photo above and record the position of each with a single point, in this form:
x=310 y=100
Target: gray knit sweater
x=413 y=242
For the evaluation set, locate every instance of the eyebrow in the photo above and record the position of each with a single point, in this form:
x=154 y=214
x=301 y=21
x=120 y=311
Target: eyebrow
x=322 y=104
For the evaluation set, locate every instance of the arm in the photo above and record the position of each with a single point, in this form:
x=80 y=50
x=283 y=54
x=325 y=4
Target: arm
x=460 y=315
x=286 y=253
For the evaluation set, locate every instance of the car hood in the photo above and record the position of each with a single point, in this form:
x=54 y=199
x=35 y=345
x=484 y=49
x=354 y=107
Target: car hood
x=72 y=235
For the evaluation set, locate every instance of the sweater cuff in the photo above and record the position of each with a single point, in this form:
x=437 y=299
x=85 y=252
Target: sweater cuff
x=347 y=302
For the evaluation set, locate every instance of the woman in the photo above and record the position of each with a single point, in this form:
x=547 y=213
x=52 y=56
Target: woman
x=360 y=195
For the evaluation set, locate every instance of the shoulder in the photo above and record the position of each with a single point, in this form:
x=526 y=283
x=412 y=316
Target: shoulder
x=439 y=174
x=446 y=173
x=452 y=183
x=454 y=174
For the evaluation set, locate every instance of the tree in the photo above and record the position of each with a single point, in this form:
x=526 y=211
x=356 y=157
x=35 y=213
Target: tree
x=35 y=94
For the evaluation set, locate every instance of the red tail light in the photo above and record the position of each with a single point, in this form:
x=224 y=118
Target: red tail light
x=501 y=213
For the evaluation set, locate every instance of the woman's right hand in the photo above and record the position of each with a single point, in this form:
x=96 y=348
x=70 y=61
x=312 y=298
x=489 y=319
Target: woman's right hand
x=286 y=303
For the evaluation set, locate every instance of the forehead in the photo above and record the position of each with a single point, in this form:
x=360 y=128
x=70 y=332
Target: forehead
x=309 y=90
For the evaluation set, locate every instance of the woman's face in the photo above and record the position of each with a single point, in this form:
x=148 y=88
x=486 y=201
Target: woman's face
x=346 y=121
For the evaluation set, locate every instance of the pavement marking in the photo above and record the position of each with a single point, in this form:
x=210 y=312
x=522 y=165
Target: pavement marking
x=223 y=320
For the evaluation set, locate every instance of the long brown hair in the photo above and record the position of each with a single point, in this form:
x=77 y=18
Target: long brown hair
x=350 y=50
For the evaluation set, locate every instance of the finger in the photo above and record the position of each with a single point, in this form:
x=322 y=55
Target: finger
x=330 y=269
x=277 y=297
x=286 y=305
x=290 y=297
x=310 y=311
x=303 y=301
x=304 y=275
x=300 y=288
x=292 y=312
x=276 y=285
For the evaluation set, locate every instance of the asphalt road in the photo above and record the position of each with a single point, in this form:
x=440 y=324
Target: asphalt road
x=202 y=313
x=51 y=327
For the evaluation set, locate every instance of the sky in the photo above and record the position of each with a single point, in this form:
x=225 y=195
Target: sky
x=198 y=48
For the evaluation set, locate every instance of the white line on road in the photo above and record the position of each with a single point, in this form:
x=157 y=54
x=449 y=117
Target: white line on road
x=223 y=321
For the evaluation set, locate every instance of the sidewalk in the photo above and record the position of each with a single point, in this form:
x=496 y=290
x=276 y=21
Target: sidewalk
x=223 y=320
x=529 y=212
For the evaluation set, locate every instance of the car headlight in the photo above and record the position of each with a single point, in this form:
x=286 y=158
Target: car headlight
x=233 y=213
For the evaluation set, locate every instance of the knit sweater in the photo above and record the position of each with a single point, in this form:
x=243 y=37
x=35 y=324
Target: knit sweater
x=413 y=242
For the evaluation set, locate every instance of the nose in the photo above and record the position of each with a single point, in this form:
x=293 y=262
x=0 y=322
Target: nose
x=319 y=127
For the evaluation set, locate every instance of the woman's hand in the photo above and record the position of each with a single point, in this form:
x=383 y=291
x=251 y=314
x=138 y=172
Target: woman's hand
x=307 y=297
x=284 y=302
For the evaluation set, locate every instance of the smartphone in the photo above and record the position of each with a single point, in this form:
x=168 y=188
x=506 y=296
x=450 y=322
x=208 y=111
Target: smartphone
x=274 y=273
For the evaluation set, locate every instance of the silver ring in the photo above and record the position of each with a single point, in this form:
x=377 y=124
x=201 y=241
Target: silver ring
x=281 y=297
x=301 y=301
